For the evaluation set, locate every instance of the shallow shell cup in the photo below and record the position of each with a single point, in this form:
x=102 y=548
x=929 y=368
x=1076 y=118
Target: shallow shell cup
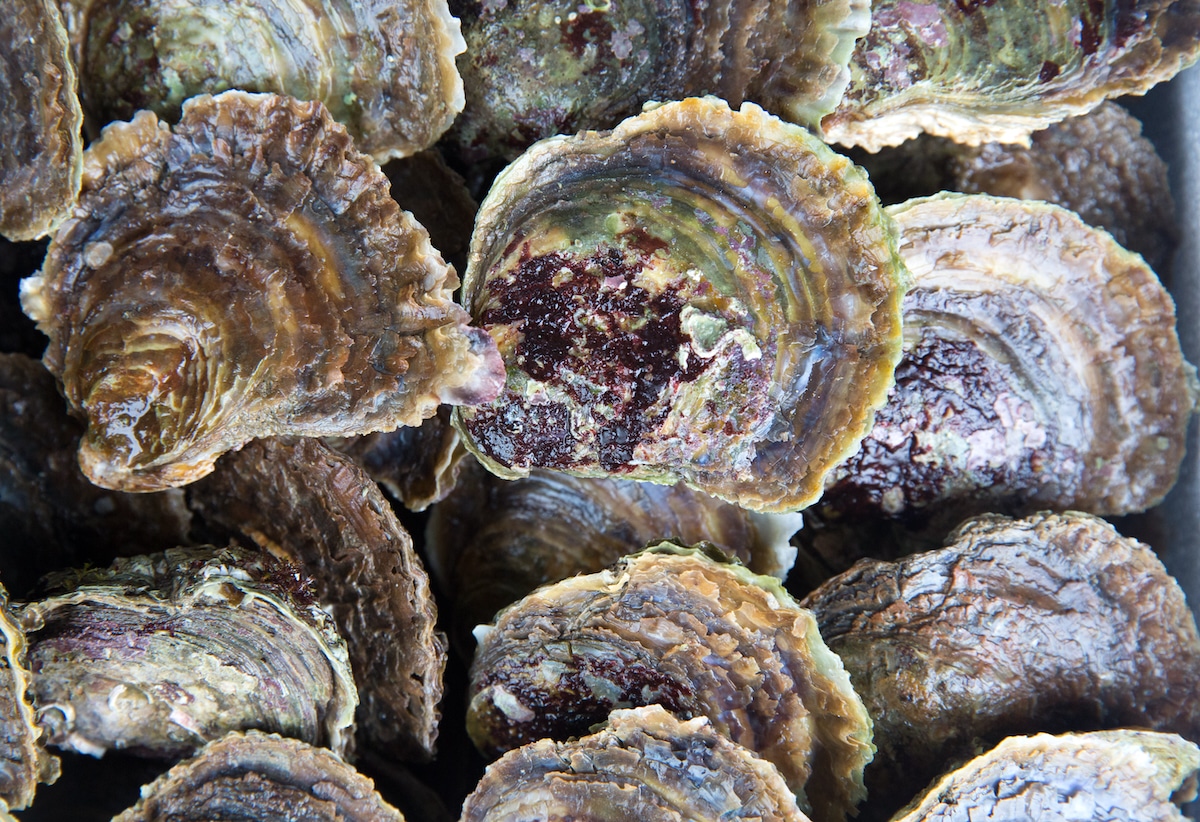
x=701 y=294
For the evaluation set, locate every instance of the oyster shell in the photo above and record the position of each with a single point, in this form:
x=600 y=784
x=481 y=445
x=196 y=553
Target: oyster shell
x=261 y=776
x=978 y=71
x=492 y=541
x=383 y=68
x=1055 y=622
x=644 y=764
x=743 y=291
x=244 y=275
x=1041 y=370
x=40 y=126
x=162 y=653
x=1093 y=777
x=670 y=626
x=306 y=504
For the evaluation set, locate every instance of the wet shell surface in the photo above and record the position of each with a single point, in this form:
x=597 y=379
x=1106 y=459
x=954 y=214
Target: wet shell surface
x=743 y=296
x=243 y=275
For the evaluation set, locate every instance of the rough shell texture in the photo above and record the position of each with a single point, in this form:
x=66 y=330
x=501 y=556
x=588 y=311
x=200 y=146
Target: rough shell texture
x=1111 y=776
x=384 y=69
x=245 y=275
x=644 y=764
x=744 y=291
x=51 y=517
x=301 y=501
x=978 y=71
x=1054 y=623
x=1041 y=369
x=23 y=759
x=672 y=627
x=492 y=541
x=261 y=776
x=40 y=123
x=162 y=653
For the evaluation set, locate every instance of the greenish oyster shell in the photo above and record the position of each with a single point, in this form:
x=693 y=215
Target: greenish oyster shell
x=1092 y=777
x=161 y=653
x=978 y=71
x=536 y=69
x=702 y=294
x=246 y=274
x=643 y=764
x=384 y=68
x=255 y=775
x=700 y=637
x=40 y=122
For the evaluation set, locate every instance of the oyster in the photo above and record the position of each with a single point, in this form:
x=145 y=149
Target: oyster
x=162 y=653
x=1050 y=623
x=670 y=626
x=40 y=126
x=644 y=764
x=383 y=68
x=1041 y=369
x=1094 y=777
x=978 y=71
x=744 y=296
x=244 y=275
x=305 y=504
x=261 y=776
x=438 y=197
x=492 y=541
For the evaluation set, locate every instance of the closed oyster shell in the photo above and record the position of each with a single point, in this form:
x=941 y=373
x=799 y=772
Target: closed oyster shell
x=743 y=291
x=672 y=627
x=1055 y=622
x=1093 y=777
x=162 y=653
x=40 y=125
x=244 y=275
x=644 y=764
x=383 y=68
x=261 y=776
x=304 y=503
x=978 y=71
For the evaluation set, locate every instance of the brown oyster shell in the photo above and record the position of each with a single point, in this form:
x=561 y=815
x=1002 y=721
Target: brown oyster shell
x=1051 y=623
x=300 y=500
x=672 y=627
x=644 y=764
x=41 y=121
x=243 y=275
x=161 y=653
x=383 y=68
x=261 y=776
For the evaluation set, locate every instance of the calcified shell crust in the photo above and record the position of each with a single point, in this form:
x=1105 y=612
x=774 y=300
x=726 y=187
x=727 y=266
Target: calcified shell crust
x=244 y=275
x=299 y=500
x=744 y=295
x=1041 y=369
x=644 y=764
x=1055 y=622
x=384 y=68
x=261 y=776
x=979 y=72
x=1094 y=777
x=23 y=759
x=40 y=121
x=672 y=627
x=492 y=541
x=162 y=653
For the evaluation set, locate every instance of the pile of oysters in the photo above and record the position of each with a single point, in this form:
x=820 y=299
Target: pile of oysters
x=757 y=467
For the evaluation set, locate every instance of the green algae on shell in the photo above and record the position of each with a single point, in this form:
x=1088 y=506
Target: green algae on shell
x=701 y=294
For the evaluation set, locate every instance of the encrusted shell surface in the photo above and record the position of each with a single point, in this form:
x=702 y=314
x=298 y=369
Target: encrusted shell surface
x=243 y=275
x=743 y=294
x=643 y=764
x=384 y=68
x=40 y=122
x=673 y=627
